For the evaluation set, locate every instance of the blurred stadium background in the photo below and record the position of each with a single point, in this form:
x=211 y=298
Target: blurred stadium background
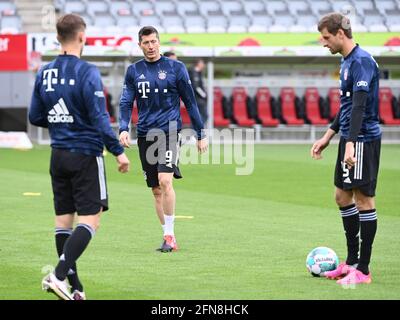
x=266 y=70
x=265 y=66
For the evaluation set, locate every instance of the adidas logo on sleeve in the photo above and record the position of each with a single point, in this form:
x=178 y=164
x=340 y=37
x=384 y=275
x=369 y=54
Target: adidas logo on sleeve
x=59 y=113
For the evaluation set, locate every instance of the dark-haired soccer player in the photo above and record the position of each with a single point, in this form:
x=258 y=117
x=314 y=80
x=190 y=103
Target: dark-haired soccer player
x=170 y=54
x=68 y=99
x=157 y=83
x=359 y=147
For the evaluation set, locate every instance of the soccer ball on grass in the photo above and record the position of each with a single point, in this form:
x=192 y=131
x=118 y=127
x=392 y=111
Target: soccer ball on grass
x=320 y=260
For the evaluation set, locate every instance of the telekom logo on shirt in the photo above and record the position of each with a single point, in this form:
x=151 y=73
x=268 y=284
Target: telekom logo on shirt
x=49 y=78
x=144 y=87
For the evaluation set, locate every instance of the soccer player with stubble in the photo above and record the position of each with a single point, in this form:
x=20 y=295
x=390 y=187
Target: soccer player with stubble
x=157 y=83
x=359 y=147
x=68 y=99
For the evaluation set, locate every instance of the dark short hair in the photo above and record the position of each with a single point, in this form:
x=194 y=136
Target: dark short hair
x=335 y=21
x=198 y=60
x=146 y=31
x=68 y=27
x=169 y=54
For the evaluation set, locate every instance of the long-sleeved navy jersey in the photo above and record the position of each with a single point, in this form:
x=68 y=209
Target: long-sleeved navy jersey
x=359 y=72
x=157 y=87
x=68 y=99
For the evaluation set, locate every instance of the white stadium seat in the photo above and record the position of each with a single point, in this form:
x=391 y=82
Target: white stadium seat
x=232 y=16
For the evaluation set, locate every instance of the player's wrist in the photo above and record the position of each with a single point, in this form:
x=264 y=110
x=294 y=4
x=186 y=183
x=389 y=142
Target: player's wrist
x=329 y=135
x=119 y=152
x=201 y=135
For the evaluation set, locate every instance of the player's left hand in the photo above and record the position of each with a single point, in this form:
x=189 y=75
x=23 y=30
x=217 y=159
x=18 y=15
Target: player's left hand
x=124 y=139
x=202 y=145
x=123 y=163
x=318 y=147
x=349 y=158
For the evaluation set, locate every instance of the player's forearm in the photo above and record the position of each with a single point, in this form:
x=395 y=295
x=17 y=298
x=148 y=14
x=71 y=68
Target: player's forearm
x=188 y=98
x=196 y=121
x=357 y=114
x=125 y=114
x=39 y=123
x=100 y=120
x=126 y=104
x=110 y=141
x=333 y=128
x=335 y=124
x=329 y=134
x=37 y=114
x=38 y=119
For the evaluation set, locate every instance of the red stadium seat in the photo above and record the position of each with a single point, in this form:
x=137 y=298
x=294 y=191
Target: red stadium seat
x=219 y=120
x=288 y=98
x=239 y=104
x=263 y=102
x=311 y=98
x=184 y=114
x=135 y=115
x=334 y=102
x=385 y=107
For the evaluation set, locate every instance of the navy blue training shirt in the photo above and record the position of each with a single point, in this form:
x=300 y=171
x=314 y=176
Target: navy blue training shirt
x=359 y=72
x=157 y=87
x=68 y=99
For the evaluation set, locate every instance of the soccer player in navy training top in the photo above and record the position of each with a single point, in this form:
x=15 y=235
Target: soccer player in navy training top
x=359 y=147
x=68 y=99
x=157 y=83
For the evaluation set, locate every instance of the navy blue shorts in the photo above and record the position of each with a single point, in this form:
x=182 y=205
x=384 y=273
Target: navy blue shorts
x=159 y=154
x=364 y=174
x=79 y=183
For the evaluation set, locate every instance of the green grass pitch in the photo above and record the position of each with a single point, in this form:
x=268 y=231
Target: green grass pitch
x=248 y=239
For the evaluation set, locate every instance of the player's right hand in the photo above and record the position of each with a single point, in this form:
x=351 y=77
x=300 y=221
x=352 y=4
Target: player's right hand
x=202 y=145
x=124 y=139
x=318 y=146
x=123 y=163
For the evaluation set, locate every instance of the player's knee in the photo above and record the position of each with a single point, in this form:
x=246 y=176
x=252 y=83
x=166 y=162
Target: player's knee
x=92 y=221
x=365 y=204
x=64 y=225
x=165 y=183
x=65 y=221
x=342 y=200
x=157 y=192
x=338 y=199
x=95 y=224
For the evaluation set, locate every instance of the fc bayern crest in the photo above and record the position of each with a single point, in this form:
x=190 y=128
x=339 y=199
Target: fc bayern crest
x=346 y=72
x=162 y=75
